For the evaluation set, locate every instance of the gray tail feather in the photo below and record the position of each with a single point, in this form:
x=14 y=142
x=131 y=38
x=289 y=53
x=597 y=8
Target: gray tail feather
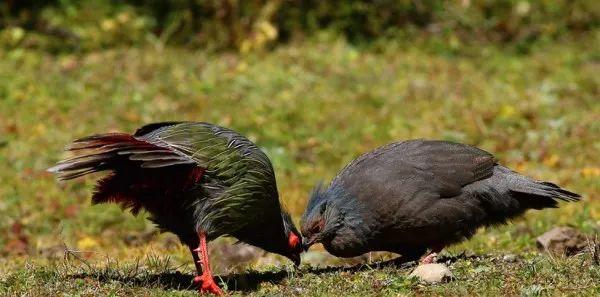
x=508 y=194
x=534 y=194
x=539 y=195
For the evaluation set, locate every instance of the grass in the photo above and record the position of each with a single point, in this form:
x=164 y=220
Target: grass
x=528 y=275
x=312 y=106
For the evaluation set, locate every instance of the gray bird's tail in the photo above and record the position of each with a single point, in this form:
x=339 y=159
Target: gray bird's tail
x=536 y=194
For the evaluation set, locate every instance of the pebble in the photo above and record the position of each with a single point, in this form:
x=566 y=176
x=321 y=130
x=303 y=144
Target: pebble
x=433 y=273
x=510 y=258
x=562 y=240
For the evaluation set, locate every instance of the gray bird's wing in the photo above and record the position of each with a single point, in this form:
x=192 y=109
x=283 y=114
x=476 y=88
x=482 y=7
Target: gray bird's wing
x=399 y=182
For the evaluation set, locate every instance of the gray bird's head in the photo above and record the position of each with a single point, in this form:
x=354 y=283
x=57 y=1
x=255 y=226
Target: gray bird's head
x=322 y=218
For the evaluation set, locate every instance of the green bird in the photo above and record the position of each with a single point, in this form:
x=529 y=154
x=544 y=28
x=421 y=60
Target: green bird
x=197 y=180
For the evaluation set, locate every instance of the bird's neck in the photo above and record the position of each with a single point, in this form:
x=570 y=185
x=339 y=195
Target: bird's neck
x=267 y=233
x=350 y=213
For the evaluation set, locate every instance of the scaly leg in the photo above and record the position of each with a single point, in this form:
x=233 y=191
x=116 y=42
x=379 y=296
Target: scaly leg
x=430 y=258
x=197 y=264
x=205 y=280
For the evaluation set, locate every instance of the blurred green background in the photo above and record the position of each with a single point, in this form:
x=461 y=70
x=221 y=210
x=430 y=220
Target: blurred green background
x=63 y=25
x=314 y=83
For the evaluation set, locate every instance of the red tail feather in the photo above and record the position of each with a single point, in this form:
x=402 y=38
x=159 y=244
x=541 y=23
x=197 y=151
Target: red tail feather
x=144 y=174
x=147 y=188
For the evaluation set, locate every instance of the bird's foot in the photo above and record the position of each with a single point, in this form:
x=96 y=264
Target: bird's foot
x=431 y=258
x=207 y=284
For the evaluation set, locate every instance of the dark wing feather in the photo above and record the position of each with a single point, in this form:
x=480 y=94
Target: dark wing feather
x=153 y=127
x=416 y=166
x=450 y=166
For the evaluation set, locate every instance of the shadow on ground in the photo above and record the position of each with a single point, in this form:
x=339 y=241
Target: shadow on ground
x=243 y=282
x=248 y=281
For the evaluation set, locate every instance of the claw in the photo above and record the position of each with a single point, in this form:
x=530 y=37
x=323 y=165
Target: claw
x=429 y=258
x=207 y=285
x=197 y=280
x=212 y=288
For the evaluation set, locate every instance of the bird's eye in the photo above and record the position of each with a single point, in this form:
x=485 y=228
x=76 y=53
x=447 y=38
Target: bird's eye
x=317 y=228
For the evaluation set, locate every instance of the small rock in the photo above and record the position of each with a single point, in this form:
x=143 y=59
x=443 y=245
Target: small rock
x=433 y=273
x=510 y=258
x=562 y=240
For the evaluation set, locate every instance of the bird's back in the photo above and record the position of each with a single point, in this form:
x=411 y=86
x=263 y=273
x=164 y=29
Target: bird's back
x=421 y=193
x=390 y=177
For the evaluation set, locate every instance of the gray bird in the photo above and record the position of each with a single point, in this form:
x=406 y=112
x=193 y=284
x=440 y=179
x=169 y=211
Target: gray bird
x=418 y=195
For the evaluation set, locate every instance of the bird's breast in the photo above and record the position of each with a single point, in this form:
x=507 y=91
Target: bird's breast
x=347 y=242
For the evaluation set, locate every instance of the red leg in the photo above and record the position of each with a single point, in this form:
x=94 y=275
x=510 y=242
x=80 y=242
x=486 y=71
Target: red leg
x=205 y=280
x=430 y=258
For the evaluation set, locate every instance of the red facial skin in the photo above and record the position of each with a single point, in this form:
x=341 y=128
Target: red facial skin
x=295 y=246
x=293 y=241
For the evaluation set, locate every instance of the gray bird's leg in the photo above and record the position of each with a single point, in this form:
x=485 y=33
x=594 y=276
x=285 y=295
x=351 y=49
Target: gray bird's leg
x=431 y=257
x=409 y=254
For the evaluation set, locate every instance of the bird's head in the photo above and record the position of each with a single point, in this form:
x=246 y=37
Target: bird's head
x=321 y=218
x=294 y=240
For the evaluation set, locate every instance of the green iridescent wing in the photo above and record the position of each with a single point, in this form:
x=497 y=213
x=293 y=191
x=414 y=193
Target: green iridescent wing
x=236 y=169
